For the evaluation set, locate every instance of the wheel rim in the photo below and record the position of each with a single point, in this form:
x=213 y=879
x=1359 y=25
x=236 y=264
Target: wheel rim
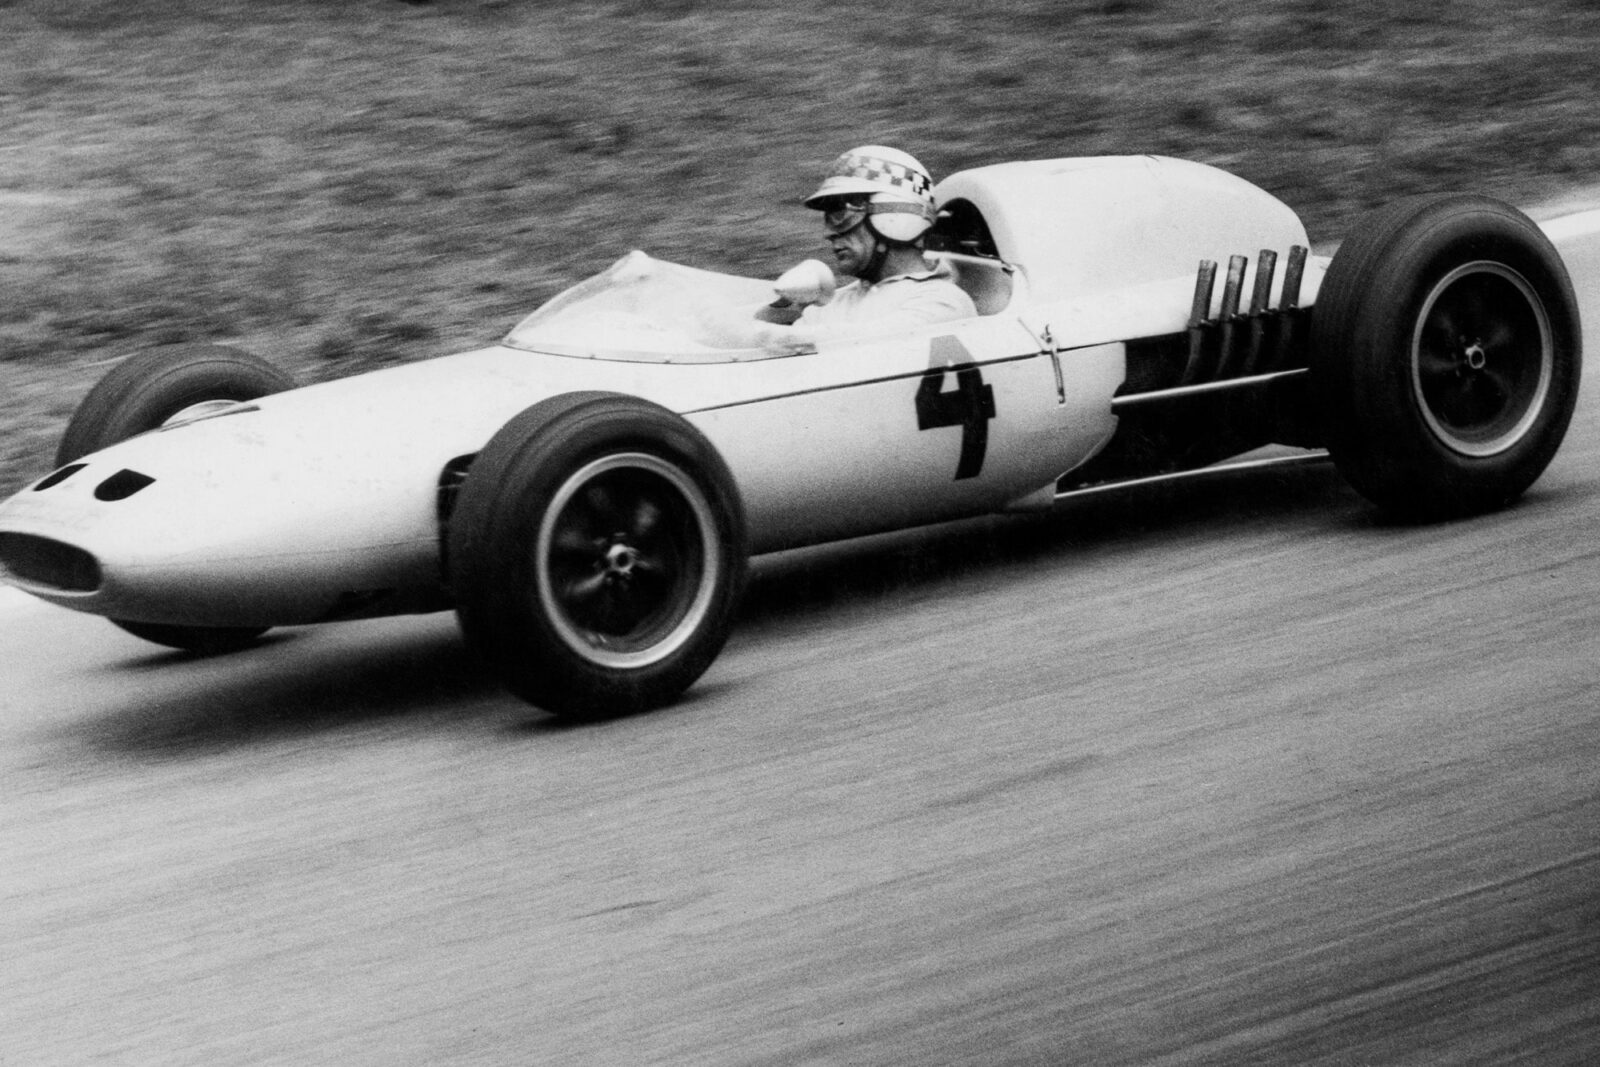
x=626 y=560
x=1481 y=358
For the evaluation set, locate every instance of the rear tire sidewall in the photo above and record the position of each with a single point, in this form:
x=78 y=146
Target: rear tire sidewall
x=1363 y=362
x=500 y=531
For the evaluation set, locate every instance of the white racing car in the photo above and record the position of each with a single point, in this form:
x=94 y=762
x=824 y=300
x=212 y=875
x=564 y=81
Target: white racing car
x=586 y=493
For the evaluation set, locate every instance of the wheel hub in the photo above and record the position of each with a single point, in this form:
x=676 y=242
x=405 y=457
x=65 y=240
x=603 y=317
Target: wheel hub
x=619 y=561
x=626 y=559
x=1481 y=359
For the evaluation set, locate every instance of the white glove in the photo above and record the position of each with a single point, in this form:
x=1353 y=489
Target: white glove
x=809 y=282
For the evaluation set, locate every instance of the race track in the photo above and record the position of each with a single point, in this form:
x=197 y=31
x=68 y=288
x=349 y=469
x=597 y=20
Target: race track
x=1225 y=773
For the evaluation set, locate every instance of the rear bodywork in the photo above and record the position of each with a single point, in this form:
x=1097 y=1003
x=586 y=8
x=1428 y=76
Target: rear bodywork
x=1102 y=352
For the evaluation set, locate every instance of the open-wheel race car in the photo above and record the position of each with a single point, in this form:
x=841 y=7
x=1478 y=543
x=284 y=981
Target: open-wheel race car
x=585 y=494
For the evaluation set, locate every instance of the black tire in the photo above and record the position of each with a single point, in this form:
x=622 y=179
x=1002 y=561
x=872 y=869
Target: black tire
x=1445 y=356
x=597 y=552
x=146 y=390
x=201 y=640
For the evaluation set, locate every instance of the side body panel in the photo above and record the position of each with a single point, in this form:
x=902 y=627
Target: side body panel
x=960 y=421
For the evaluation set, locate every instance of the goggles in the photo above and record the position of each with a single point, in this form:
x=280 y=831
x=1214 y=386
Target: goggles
x=844 y=218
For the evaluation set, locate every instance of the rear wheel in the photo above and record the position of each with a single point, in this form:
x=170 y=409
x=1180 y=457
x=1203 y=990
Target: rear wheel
x=1446 y=355
x=150 y=390
x=597 y=551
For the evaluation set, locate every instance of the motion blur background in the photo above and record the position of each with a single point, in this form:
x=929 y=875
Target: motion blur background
x=1234 y=773
x=337 y=186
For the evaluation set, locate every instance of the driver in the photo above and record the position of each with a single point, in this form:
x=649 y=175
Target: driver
x=877 y=205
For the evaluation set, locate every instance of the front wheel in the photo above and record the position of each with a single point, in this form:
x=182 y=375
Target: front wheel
x=596 y=553
x=150 y=389
x=1445 y=355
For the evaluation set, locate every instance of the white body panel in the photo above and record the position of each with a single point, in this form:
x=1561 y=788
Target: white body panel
x=1088 y=226
x=324 y=497
x=827 y=463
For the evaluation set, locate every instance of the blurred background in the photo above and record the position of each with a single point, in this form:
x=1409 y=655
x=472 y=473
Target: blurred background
x=339 y=186
x=1231 y=773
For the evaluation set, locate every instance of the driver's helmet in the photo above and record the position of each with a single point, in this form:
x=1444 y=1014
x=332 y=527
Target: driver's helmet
x=885 y=187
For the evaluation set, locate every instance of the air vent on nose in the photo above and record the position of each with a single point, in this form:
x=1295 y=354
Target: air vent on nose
x=50 y=481
x=121 y=485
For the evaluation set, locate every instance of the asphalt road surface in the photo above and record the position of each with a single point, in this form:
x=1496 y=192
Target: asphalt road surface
x=1232 y=773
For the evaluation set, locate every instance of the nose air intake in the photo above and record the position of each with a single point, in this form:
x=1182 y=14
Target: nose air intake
x=51 y=564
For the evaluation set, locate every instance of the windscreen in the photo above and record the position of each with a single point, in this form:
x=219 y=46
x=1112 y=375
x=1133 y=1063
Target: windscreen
x=641 y=309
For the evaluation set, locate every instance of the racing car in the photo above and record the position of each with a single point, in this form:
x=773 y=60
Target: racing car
x=585 y=495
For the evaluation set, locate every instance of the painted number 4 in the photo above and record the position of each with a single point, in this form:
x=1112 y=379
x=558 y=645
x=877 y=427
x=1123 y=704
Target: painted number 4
x=970 y=405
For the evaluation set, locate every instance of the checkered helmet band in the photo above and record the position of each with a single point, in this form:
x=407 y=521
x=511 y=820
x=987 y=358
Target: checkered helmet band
x=885 y=174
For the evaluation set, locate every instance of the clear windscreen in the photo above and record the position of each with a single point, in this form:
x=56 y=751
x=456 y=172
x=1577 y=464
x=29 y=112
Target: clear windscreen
x=641 y=309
